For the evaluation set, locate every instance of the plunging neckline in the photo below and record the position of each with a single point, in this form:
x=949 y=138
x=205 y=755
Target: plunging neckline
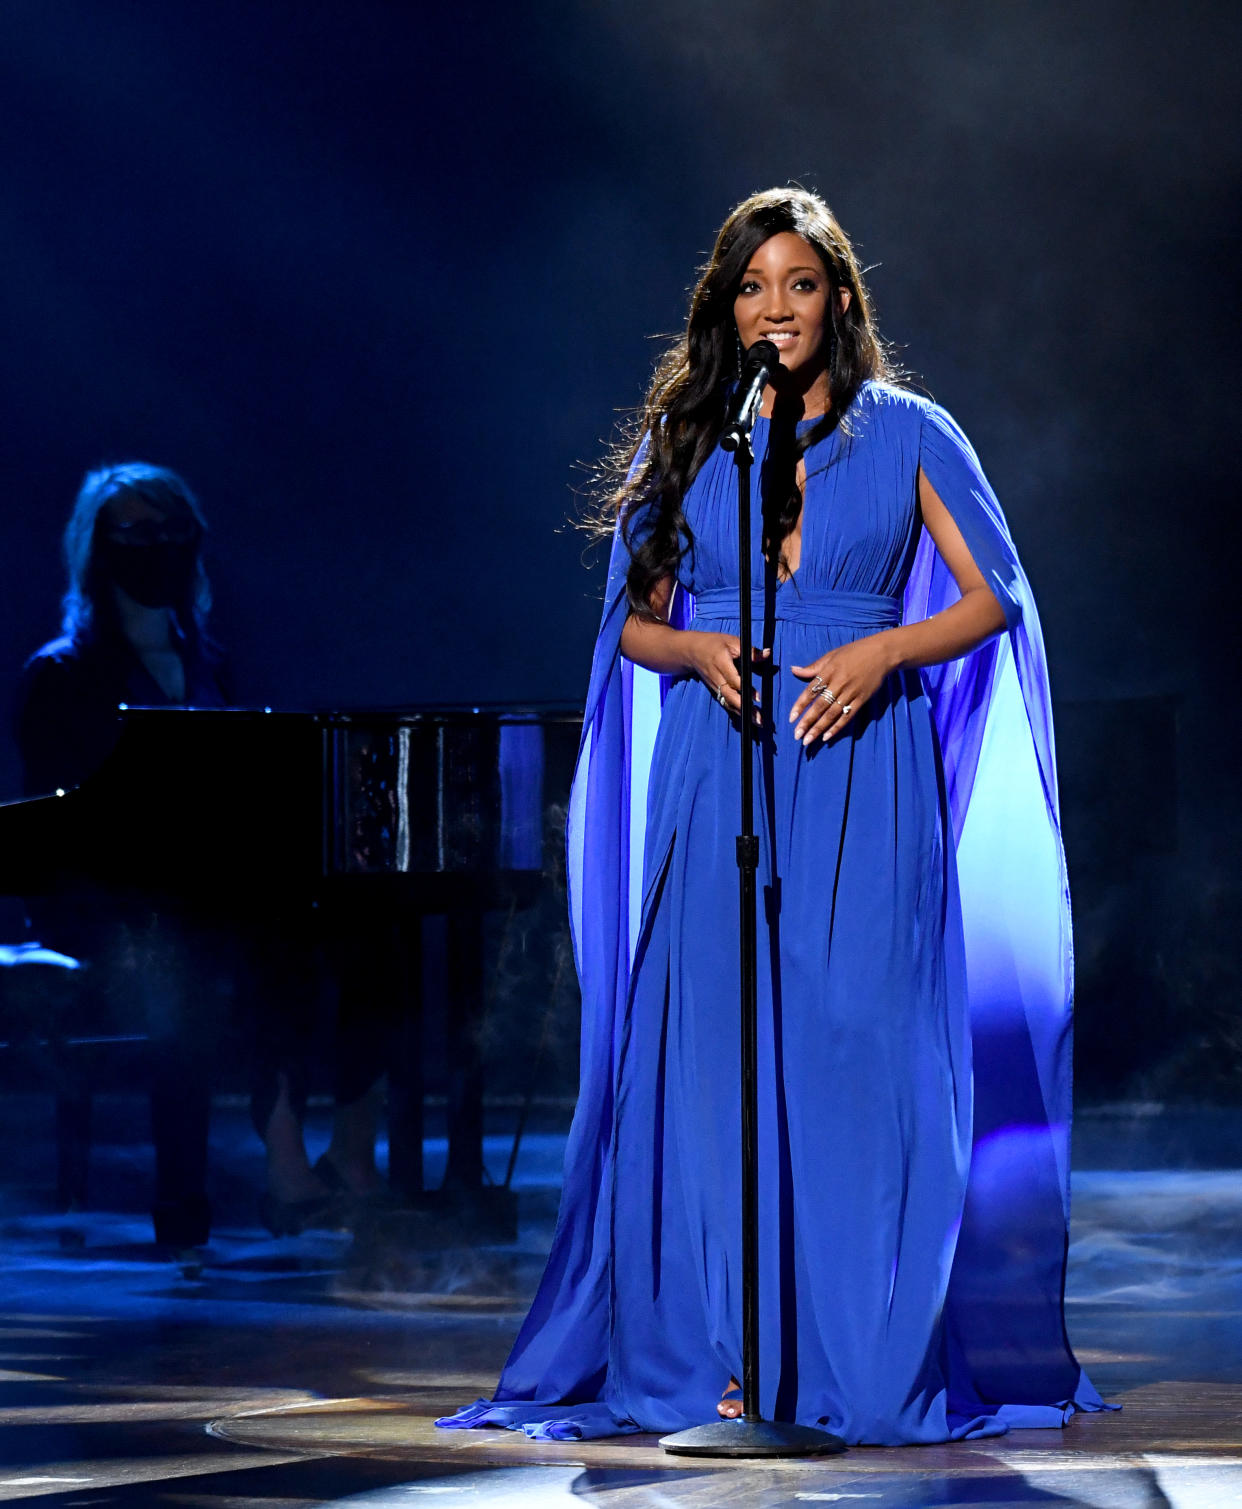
x=800 y=424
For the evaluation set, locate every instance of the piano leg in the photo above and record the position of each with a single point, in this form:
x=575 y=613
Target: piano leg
x=463 y=1028
x=73 y=1148
x=180 y=1116
x=465 y=1211
x=405 y=1073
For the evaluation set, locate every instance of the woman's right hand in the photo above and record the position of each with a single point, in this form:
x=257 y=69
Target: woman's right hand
x=715 y=660
x=712 y=658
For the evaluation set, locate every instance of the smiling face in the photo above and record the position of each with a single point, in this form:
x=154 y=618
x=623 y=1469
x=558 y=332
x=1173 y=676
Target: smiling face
x=783 y=298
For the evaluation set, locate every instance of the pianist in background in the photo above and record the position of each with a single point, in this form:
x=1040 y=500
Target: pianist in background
x=134 y=626
x=134 y=630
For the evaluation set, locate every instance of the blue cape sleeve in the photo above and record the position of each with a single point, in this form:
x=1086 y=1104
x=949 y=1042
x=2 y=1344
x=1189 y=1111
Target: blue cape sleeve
x=993 y=717
x=562 y=1350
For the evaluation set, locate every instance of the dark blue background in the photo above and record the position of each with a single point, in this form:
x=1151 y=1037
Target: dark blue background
x=377 y=278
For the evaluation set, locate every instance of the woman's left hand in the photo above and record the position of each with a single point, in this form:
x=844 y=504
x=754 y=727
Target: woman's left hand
x=852 y=674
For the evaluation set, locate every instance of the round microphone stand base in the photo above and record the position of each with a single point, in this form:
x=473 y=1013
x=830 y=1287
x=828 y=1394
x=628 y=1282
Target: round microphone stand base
x=752 y=1438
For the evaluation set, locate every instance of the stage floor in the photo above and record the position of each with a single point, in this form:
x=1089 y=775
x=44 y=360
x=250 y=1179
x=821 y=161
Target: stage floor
x=307 y=1372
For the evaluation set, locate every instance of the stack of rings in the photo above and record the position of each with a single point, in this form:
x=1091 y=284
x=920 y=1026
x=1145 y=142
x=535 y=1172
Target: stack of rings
x=720 y=696
x=820 y=687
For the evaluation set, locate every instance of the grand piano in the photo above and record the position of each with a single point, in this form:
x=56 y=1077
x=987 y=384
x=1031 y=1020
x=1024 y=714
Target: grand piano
x=232 y=814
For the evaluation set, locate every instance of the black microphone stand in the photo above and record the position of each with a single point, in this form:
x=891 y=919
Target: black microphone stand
x=750 y=1435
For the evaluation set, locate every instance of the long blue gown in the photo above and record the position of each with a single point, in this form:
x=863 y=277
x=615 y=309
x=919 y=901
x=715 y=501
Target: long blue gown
x=913 y=908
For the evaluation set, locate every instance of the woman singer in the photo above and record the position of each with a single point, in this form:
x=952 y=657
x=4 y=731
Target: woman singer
x=912 y=910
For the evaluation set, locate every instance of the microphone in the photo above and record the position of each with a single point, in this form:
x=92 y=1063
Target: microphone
x=758 y=366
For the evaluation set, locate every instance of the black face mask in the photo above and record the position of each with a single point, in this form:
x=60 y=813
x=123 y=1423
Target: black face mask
x=157 y=576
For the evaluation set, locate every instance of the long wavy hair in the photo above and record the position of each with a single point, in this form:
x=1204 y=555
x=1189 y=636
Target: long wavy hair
x=88 y=607
x=647 y=474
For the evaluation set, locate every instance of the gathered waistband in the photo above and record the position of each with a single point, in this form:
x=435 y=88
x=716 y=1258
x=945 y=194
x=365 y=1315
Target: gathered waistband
x=862 y=610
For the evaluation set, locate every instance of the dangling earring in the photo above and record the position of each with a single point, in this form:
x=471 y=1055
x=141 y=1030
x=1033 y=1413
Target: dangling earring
x=737 y=351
